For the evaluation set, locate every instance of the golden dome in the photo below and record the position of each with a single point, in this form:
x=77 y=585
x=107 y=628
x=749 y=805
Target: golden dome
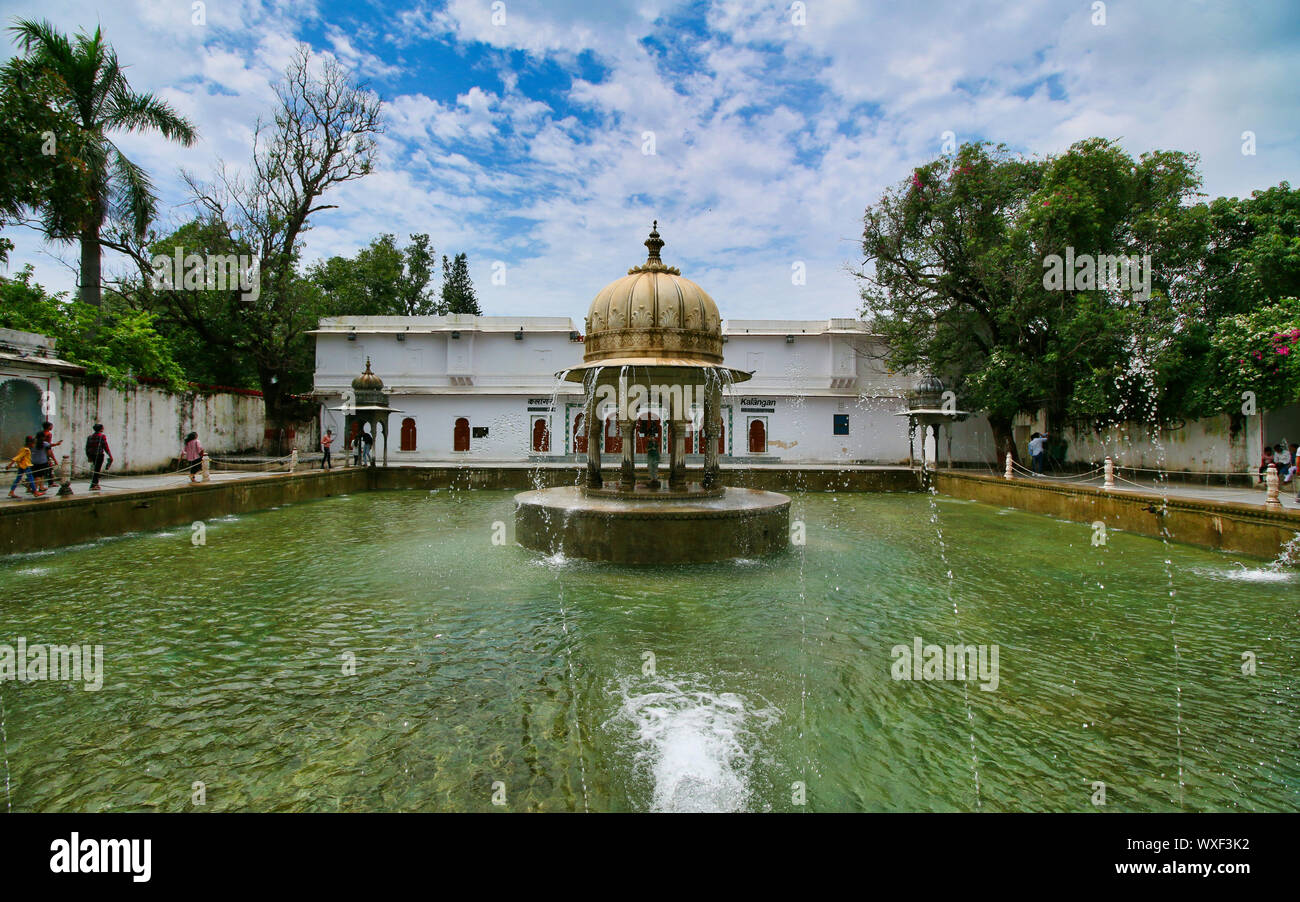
x=653 y=314
x=368 y=381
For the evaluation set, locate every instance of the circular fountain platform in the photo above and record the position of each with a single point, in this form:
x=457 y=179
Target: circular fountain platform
x=739 y=523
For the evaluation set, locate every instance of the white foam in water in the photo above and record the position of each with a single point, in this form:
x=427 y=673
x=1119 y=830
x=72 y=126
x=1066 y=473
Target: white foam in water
x=1255 y=575
x=696 y=745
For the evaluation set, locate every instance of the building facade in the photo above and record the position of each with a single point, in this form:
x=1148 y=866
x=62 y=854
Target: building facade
x=485 y=388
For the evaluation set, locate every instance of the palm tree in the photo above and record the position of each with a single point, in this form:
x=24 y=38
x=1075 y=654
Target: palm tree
x=93 y=90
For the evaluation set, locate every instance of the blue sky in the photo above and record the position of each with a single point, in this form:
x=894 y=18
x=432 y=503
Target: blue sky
x=521 y=141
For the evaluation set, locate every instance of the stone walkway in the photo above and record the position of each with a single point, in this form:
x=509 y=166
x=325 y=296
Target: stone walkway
x=112 y=483
x=1173 y=489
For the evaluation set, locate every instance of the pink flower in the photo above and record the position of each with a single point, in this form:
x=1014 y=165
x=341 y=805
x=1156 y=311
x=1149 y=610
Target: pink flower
x=1284 y=350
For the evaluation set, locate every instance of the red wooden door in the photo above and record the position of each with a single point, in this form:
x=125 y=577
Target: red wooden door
x=541 y=435
x=460 y=435
x=580 y=434
x=757 y=436
x=613 y=439
x=408 y=434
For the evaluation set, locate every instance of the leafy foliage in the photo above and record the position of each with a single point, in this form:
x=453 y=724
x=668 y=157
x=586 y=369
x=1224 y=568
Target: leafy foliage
x=381 y=280
x=457 y=290
x=117 y=344
x=84 y=88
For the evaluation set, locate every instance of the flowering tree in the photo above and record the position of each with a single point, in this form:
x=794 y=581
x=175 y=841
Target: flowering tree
x=1259 y=353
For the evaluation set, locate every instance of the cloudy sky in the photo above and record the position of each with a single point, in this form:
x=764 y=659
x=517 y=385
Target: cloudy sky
x=517 y=131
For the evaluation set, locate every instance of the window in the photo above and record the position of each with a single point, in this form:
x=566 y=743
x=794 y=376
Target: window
x=841 y=424
x=408 y=434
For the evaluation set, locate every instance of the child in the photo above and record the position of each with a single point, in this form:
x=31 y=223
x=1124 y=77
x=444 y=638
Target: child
x=47 y=429
x=23 y=461
x=193 y=454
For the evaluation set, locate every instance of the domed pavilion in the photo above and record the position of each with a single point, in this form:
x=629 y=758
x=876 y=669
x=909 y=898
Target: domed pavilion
x=653 y=356
x=653 y=368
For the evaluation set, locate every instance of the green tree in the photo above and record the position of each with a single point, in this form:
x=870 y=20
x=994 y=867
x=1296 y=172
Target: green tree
x=955 y=278
x=381 y=280
x=457 y=290
x=43 y=167
x=1256 y=359
x=322 y=135
x=117 y=344
x=90 y=87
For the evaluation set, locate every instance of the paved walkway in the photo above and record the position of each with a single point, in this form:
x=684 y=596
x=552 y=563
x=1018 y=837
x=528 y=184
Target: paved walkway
x=1173 y=489
x=112 y=483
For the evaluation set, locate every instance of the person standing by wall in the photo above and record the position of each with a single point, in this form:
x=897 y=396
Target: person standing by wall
x=325 y=441
x=193 y=455
x=1282 y=458
x=1037 y=451
x=98 y=454
x=23 y=461
x=652 y=458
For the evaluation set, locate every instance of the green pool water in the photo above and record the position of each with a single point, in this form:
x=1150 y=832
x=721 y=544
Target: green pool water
x=483 y=671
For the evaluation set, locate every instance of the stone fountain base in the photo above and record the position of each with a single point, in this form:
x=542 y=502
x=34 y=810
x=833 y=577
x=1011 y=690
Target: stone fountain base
x=653 y=528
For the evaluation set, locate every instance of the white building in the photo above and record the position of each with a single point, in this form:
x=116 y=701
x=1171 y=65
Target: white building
x=484 y=388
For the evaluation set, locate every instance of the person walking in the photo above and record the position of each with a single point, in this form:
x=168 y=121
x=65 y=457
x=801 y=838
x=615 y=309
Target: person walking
x=325 y=441
x=47 y=429
x=40 y=460
x=193 y=455
x=367 y=441
x=98 y=454
x=23 y=461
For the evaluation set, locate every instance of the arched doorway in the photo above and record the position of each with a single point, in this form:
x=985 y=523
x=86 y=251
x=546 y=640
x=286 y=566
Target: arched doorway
x=758 y=436
x=408 y=434
x=460 y=435
x=580 y=434
x=541 y=435
x=613 y=439
x=20 y=413
x=695 y=439
x=647 y=424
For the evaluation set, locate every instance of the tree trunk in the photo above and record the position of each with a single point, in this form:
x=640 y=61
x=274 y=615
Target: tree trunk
x=1004 y=438
x=273 y=397
x=90 y=289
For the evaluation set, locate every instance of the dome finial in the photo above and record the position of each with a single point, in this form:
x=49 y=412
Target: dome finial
x=654 y=243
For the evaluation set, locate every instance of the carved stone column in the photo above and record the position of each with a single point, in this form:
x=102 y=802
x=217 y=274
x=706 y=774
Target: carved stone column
x=677 y=450
x=595 y=441
x=712 y=430
x=627 y=479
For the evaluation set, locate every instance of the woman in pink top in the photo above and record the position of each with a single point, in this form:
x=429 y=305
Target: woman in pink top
x=193 y=454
